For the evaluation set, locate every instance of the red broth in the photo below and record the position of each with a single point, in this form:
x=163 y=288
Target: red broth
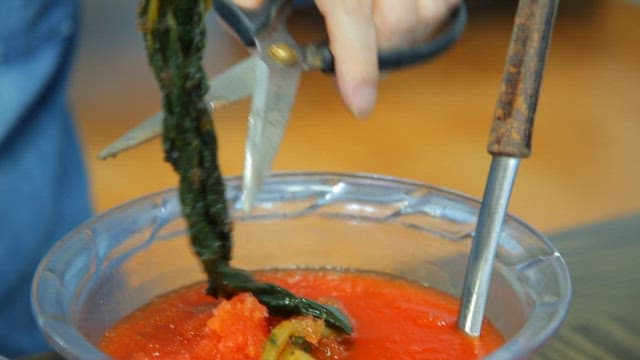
x=392 y=318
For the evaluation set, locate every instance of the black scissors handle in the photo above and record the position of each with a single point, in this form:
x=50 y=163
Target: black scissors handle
x=249 y=23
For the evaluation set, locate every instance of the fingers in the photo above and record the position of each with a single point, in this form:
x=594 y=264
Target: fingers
x=401 y=26
x=358 y=28
x=396 y=25
x=352 y=38
x=249 y=4
x=433 y=13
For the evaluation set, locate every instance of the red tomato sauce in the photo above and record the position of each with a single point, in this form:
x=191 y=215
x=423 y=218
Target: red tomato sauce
x=392 y=319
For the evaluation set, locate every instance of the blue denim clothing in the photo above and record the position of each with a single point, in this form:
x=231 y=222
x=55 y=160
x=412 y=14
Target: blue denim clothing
x=43 y=187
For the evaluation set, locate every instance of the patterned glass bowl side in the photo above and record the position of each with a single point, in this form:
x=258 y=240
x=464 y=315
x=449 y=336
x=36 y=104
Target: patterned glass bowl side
x=119 y=260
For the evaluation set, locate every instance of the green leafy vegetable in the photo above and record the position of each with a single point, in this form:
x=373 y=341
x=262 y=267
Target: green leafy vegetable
x=174 y=35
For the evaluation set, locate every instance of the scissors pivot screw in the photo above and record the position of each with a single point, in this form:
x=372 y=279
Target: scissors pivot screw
x=283 y=54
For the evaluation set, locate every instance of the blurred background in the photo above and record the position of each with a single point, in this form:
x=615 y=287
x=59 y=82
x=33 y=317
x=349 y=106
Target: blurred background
x=431 y=123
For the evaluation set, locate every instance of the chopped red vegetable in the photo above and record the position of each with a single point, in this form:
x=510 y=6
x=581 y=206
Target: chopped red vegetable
x=393 y=319
x=237 y=330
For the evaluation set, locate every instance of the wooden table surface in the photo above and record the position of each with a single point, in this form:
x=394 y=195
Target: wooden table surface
x=431 y=122
x=603 y=319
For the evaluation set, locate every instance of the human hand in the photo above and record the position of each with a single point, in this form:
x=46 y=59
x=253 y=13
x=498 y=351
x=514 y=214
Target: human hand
x=358 y=29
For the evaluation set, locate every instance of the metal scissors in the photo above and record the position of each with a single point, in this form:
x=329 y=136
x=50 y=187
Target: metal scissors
x=271 y=76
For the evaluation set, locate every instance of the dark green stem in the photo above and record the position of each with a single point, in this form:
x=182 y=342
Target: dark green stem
x=174 y=35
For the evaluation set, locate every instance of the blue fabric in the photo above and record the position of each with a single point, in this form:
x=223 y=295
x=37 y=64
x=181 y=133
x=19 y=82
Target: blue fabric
x=43 y=186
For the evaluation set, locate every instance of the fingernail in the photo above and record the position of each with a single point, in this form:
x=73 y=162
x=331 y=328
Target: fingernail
x=363 y=101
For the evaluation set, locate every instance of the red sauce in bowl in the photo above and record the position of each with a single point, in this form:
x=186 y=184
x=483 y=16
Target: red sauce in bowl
x=392 y=319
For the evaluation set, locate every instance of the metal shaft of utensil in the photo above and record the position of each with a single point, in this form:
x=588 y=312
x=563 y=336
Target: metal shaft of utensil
x=510 y=140
x=492 y=212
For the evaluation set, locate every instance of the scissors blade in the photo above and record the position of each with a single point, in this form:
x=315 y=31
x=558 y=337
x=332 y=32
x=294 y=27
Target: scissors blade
x=233 y=84
x=275 y=90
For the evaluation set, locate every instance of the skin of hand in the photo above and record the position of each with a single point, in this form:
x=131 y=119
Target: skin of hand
x=358 y=29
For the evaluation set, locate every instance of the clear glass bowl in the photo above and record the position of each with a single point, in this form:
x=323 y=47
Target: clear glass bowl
x=119 y=260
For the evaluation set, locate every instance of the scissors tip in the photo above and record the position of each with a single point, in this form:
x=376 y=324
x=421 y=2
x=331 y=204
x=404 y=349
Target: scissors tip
x=247 y=199
x=108 y=152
